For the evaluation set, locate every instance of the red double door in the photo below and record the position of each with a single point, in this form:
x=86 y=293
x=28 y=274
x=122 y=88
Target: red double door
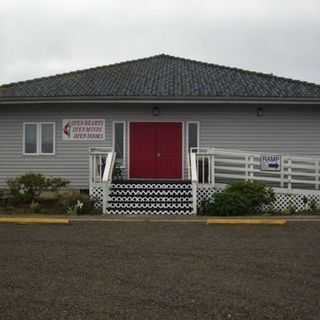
x=155 y=150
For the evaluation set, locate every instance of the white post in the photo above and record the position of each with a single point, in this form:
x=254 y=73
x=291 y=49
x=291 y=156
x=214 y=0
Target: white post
x=203 y=173
x=251 y=167
x=289 y=174
x=246 y=167
x=282 y=173
x=104 y=198
x=90 y=174
x=100 y=168
x=194 y=179
x=95 y=170
x=194 y=197
x=317 y=174
x=189 y=165
x=209 y=169
x=212 y=170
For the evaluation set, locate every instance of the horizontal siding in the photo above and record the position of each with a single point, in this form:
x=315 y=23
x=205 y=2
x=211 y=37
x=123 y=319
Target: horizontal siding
x=282 y=129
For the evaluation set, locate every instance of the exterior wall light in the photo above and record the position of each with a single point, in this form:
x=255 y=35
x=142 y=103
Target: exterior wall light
x=155 y=111
x=259 y=112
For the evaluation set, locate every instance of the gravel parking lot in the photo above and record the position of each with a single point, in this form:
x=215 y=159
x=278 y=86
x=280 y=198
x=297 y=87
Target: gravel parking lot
x=159 y=271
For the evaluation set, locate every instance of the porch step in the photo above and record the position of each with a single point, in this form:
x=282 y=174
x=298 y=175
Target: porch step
x=150 y=197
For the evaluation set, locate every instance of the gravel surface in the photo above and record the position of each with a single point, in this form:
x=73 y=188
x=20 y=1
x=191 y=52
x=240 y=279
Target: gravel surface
x=159 y=271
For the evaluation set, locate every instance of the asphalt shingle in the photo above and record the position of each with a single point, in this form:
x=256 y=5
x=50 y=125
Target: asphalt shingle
x=162 y=76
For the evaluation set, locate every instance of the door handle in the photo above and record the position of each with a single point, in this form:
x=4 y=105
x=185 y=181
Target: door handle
x=158 y=154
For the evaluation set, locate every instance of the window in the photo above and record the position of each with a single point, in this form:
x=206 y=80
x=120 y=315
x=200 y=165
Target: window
x=47 y=138
x=30 y=144
x=193 y=135
x=39 y=138
x=119 y=140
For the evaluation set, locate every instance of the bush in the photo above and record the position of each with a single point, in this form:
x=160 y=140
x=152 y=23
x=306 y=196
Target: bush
x=117 y=171
x=241 y=198
x=27 y=189
x=203 y=208
x=74 y=203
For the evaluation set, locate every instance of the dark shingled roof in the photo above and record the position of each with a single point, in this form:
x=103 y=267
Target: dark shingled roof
x=162 y=76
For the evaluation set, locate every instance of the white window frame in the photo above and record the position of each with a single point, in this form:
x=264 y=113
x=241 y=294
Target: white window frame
x=39 y=138
x=123 y=162
x=187 y=133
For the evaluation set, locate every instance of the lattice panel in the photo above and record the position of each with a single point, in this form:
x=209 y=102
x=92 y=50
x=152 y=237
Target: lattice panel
x=96 y=192
x=284 y=201
x=150 y=206
x=205 y=192
x=150 y=198
x=179 y=212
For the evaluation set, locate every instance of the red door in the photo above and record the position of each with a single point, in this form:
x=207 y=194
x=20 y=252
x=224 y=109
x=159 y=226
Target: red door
x=155 y=150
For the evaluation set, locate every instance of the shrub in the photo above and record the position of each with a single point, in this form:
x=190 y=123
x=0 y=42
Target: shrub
x=241 y=198
x=203 y=208
x=313 y=205
x=117 y=171
x=74 y=203
x=27 y=189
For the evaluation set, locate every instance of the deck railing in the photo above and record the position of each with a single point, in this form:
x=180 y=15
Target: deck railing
x=222 y=166
x=101 y=168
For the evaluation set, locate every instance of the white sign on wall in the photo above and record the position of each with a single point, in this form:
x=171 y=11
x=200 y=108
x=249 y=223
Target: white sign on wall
x=83 y=129
x=270 y=162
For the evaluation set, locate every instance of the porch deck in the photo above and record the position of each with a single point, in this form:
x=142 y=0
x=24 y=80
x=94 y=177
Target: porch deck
x=295 y=180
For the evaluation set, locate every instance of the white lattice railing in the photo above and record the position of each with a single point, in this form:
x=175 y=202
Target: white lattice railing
x=215 y=166
x=101 y=164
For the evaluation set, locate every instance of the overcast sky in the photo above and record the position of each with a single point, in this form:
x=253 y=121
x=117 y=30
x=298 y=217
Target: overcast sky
x=45 y=37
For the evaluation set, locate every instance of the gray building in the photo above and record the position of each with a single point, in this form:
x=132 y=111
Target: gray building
x=150 y=112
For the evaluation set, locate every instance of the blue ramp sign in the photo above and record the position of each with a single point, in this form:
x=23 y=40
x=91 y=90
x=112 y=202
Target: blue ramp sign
x=270 y=162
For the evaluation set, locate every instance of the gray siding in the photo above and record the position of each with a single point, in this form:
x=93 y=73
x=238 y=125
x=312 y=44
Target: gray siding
x=283 y=129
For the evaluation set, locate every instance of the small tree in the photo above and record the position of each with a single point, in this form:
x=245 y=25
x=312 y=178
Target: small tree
x=28 y=188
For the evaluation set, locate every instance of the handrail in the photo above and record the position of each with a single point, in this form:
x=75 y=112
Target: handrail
x=99 y=150
x=193 y=167
x=107 y=179
x=295 y=172
x=108 y=169
x=223 y=151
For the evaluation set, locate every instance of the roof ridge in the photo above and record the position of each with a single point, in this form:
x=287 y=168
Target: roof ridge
x=7 y=85
x=244 y=70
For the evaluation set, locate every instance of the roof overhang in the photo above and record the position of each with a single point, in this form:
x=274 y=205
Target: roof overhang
x=158 y=100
